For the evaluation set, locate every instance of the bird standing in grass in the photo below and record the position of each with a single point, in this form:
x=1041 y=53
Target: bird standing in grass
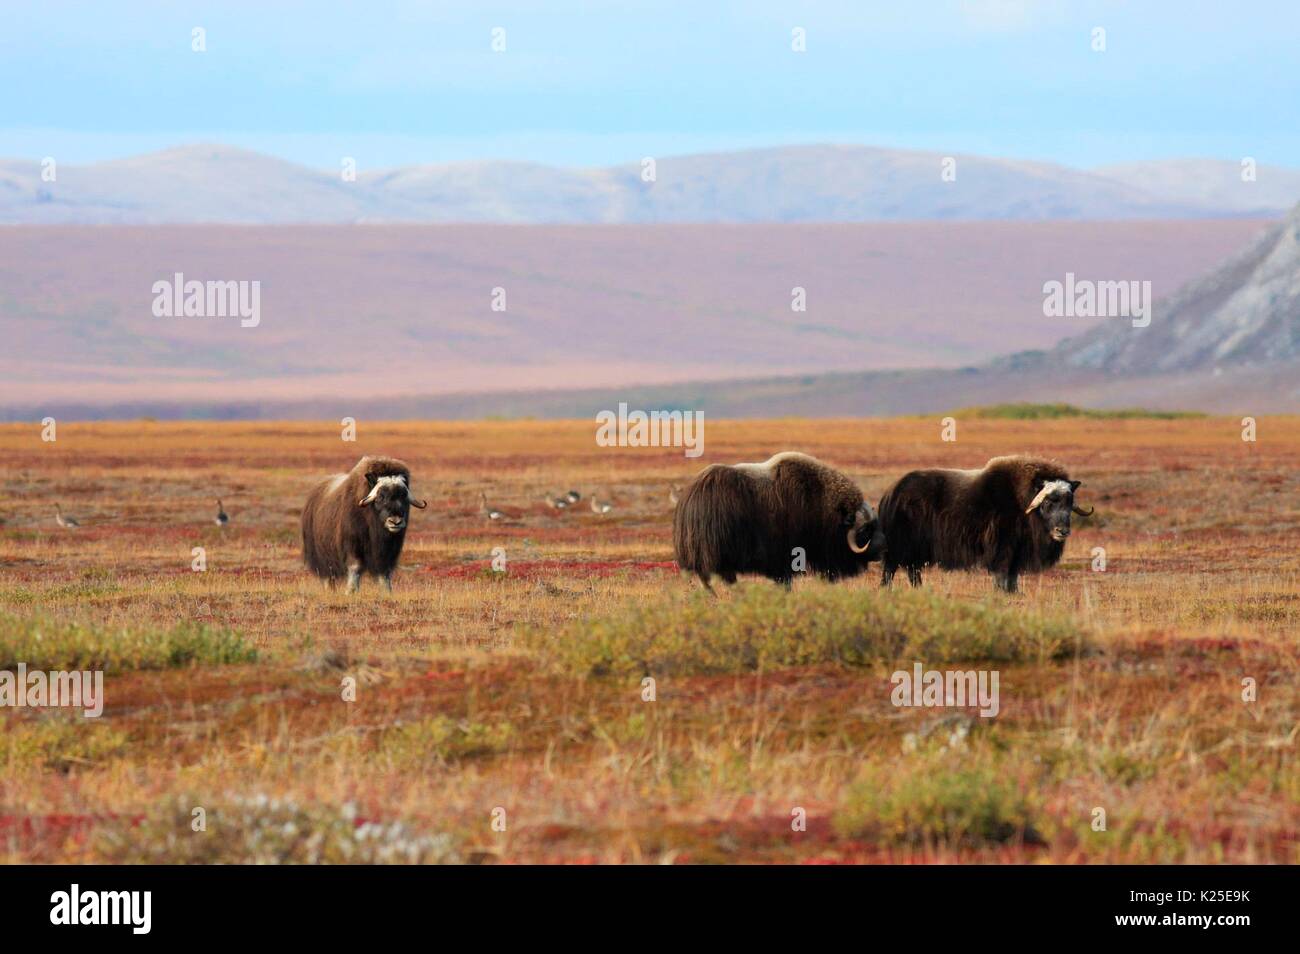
x=557 y=503
x=573 y=496
x=673 y=491
x=492 y=513
x=67 y=523
x=600 y=508
x=222 y=518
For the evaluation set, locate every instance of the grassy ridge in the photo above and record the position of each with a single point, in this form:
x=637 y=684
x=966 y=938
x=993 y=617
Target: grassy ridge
x=764 y=627
x=1038 y=412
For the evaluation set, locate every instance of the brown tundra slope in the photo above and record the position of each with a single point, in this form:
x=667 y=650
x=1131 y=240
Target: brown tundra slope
x=357 y=314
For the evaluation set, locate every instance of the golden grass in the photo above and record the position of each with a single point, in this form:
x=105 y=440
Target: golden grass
x=478 y=692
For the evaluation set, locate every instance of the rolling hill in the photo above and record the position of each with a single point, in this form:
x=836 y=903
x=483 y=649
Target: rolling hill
x=816 y=183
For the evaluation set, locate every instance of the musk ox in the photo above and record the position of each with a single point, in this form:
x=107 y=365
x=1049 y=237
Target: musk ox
x=750 y=518
x=355 y=523
x=1011 y=517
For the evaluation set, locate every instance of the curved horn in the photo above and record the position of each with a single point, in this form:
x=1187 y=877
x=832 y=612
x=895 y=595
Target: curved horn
x=1084 y=513
x=858 y=524
x=387 y=479
x=1037 y=501
x=419 y=503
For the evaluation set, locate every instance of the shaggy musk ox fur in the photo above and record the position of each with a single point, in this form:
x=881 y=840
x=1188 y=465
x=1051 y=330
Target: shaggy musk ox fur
x=749 y=518
x=1013 y=516
x=355 y=523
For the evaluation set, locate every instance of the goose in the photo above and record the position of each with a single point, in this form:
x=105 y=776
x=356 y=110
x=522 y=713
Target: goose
x=673 y=491
x=557 y=503
x=573 y=496
x=222 y=518
x=600 y=508
x=67 y=523
x=492 y=513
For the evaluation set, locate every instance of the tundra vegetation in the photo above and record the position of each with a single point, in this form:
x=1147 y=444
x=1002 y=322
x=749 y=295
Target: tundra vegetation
x=525 y=691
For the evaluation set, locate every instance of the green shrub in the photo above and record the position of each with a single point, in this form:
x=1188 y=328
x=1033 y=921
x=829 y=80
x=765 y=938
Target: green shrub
x=444 y=739
x=957 y=799
x=58 y=742
x=765 y=627
x=49 y=645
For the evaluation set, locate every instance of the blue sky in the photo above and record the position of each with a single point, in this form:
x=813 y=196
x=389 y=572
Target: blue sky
x=393 y=82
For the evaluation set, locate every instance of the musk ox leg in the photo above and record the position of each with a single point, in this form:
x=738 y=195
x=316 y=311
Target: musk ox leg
x=914 y=575
x=387 y=580
x=354 y=577
x=887 y=575
x=704 y=578
x=1005 y=572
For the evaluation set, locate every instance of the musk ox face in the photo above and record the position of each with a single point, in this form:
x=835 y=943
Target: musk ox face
x=390 y=500
x=864 y=534
x=1053 y=504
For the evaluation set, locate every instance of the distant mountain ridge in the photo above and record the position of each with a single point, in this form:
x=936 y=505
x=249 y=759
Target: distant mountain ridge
x=1245 y=314
x=815 y=183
